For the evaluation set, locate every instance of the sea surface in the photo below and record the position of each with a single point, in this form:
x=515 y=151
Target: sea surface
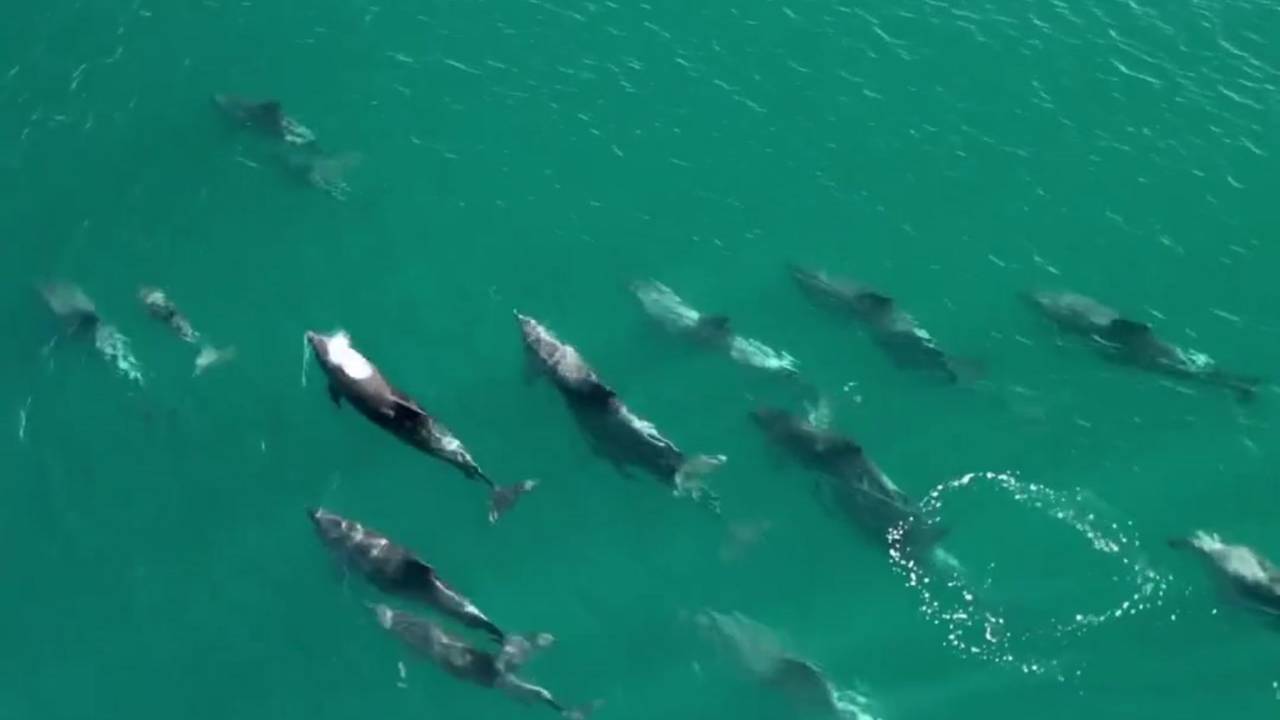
x=157 y=558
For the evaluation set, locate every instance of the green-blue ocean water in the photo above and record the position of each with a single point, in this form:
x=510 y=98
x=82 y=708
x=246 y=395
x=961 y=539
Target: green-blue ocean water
x=541 y=156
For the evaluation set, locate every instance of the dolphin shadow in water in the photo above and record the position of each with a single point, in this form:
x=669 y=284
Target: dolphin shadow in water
x=1135 y=344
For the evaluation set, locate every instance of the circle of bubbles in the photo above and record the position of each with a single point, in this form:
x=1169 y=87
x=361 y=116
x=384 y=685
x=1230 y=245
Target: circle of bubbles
x=975 y=629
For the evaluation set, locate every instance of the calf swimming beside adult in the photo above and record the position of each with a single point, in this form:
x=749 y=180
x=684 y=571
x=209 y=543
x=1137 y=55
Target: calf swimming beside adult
x=1134 y=343
x=353 y=378
x=615 y=432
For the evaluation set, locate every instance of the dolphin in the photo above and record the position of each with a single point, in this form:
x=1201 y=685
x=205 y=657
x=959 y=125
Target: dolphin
x=354 y=379
x=1134 y=343
x=456 y=657
x=759 y=649
x=715 y=331
x=615 y=432
x=396 y=570
x=77 y=311
x=266 y=117
x=855 y=484
x=898 y=335
x=1252 y=578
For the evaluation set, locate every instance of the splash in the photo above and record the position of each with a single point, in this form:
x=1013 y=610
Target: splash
x=978 y=626
x=115 y=347
x=22 y=420
x=306 y=353
x=852 y=706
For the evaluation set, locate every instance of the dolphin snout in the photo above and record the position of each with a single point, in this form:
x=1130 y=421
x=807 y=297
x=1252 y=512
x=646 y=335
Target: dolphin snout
x=1033 y=297
x=316 y=341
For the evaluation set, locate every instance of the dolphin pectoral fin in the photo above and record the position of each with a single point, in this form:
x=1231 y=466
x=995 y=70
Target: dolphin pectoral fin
x=531 y=371
x=503 y=498
x=1128 y=333
x=713 y=328
x=406 y=410
x=599 y=394
x=877 y=302
x=335 y=395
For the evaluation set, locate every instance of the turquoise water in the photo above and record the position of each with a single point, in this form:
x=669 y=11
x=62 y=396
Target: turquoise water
x=541 y=156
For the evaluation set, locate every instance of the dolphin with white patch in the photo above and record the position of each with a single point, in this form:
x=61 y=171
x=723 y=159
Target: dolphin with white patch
x=614 y=431
x=354 y=379
x=678 y=317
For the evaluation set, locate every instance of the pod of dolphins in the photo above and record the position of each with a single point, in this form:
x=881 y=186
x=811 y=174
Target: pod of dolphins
x=851 y=482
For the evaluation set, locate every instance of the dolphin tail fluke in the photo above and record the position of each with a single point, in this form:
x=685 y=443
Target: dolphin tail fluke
x=689 y=479
x=503 y=498
x=965 y=370
x=582 y=712
x=1245 y=388
x=210 y=356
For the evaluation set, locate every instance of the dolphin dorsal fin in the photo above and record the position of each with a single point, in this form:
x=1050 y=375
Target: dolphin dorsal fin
x=714 y=323
x=842 y=447
x=599 y=394
x=878 y=302
x=1123 y=330
x=406 y=410
x=270 y=111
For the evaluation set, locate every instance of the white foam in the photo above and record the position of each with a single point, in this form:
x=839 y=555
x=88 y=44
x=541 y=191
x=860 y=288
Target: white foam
x=22 y=420
x=115 y=347
x=355 y=365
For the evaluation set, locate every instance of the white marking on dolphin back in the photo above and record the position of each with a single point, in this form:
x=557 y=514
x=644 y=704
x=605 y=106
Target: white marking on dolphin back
x=756 y=354
x=663 y=304
x=1236 y=560
x=353 y=364
x=644 y=427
